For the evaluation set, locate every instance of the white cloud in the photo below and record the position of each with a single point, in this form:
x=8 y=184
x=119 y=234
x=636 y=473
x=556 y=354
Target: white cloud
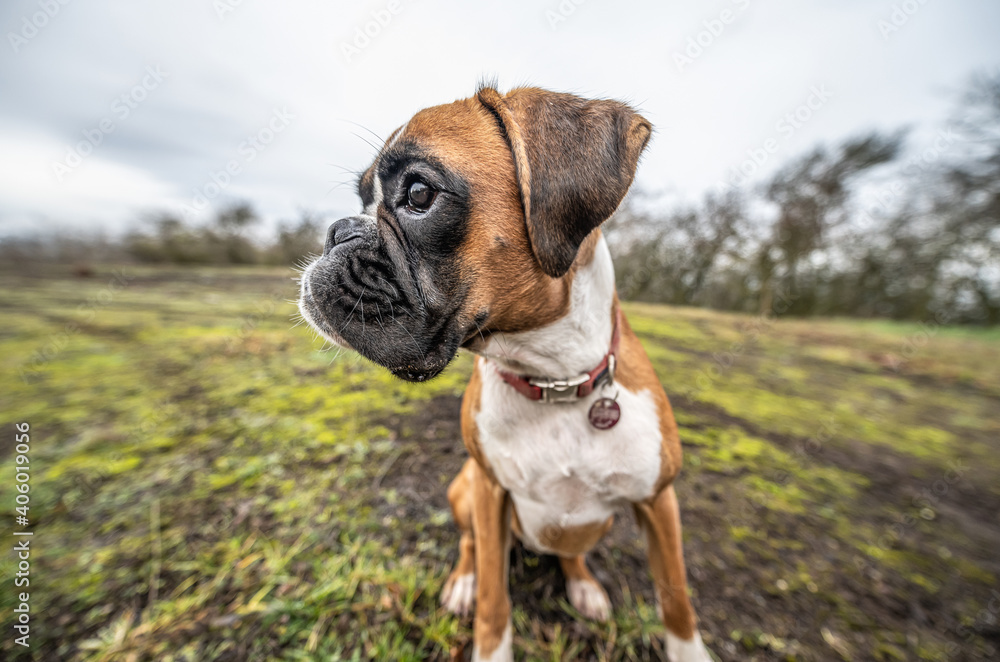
x=100 y=193
x=227 y=75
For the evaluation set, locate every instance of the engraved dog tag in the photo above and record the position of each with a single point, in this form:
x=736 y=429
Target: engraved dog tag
x=604 y=414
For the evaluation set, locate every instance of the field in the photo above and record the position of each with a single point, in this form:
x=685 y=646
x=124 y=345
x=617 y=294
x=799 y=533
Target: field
x=208 y=484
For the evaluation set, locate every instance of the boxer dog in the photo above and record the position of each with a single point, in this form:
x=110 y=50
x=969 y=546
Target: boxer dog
x=480 y=230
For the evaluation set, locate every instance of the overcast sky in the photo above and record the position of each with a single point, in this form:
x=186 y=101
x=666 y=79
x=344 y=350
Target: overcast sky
x=110 y=110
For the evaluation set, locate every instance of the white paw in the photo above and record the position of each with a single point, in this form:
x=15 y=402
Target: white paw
x=687 y=650
x=504 y=652
x=459 y=594
x=589 y=598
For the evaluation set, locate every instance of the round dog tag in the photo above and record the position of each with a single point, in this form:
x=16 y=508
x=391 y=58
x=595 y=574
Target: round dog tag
x=604 y=414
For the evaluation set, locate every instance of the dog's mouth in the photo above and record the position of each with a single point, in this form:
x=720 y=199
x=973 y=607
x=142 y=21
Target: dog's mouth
x=407 y=340
x=314 y=315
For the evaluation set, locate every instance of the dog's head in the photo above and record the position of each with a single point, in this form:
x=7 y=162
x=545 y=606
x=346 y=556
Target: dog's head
x=473 y=215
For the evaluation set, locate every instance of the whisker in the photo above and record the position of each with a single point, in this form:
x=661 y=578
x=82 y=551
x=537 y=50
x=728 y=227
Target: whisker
x=503 y=345
x=362 y=126
x=423 y=355
x=378 y=150
x=349 y=171
x=351 y=314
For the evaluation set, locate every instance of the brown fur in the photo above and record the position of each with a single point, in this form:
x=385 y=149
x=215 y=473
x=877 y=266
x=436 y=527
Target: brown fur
x=470 y=431
x=491 y=533
x=460 y=497
x=574 y=161
x=570 y=541
x=515 y=291
x=504 y=145
x=575 y=568
x=635 y=372
x=659 y=517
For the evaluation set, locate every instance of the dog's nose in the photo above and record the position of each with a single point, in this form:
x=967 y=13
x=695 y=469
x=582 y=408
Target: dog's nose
x=343 y=231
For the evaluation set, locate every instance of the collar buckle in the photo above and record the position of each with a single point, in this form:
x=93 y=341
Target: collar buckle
x=559 y=390
x=542 y=389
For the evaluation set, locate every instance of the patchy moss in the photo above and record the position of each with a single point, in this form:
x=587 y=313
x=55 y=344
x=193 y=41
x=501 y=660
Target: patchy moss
x=209 y=484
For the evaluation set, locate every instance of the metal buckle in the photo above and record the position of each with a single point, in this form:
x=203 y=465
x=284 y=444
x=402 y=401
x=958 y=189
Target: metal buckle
x=609 y=375
x=559 y=390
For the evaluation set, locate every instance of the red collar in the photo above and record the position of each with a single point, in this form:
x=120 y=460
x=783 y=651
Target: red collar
x=568 y=390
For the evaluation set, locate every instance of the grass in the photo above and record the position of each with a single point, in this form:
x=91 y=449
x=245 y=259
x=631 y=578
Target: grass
x=207 y=484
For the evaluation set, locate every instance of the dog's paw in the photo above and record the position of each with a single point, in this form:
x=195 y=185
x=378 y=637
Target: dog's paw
x=500 y=651
x=687 y=650
x=459 y=593
x=589 y=598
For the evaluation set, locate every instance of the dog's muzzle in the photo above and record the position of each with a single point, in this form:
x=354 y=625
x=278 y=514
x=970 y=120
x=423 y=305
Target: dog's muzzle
x=360 y=297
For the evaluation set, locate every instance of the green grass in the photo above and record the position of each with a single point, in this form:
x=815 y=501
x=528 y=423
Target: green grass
x=207 y=484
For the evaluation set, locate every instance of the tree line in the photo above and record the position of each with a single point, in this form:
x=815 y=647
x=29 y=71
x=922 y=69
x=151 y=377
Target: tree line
x=230 y=237
x=856 y=229
x=863 y=228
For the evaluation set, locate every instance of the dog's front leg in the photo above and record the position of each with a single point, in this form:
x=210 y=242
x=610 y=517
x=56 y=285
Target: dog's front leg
x=660 y=520
x=491 y=527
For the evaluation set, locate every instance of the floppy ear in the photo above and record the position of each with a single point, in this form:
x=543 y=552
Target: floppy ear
x=575 y=160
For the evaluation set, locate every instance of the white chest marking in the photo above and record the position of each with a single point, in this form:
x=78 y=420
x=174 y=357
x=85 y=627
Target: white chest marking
x=559 y=469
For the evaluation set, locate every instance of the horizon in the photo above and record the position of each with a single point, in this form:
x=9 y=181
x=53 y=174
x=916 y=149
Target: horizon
x=192 y=108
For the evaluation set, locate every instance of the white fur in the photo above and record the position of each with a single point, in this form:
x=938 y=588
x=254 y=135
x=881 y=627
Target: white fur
x=503 y=653
x=589 y=598
x=370 y=213
x=560 y=470
x=372 y=209
x=687 y=650
x=573 y=344
x=304 y=294
x=461 y=594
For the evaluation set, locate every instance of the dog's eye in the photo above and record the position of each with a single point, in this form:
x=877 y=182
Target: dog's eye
x=419 y=196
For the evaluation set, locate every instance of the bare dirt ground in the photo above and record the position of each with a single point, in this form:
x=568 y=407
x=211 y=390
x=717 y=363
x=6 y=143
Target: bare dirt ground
x=208 y=485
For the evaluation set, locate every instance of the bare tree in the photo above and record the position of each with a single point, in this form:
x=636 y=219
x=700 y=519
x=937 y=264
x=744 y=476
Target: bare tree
x=810 y=195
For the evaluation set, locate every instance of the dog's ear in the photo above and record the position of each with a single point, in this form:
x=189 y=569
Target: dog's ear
x=575 y=160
